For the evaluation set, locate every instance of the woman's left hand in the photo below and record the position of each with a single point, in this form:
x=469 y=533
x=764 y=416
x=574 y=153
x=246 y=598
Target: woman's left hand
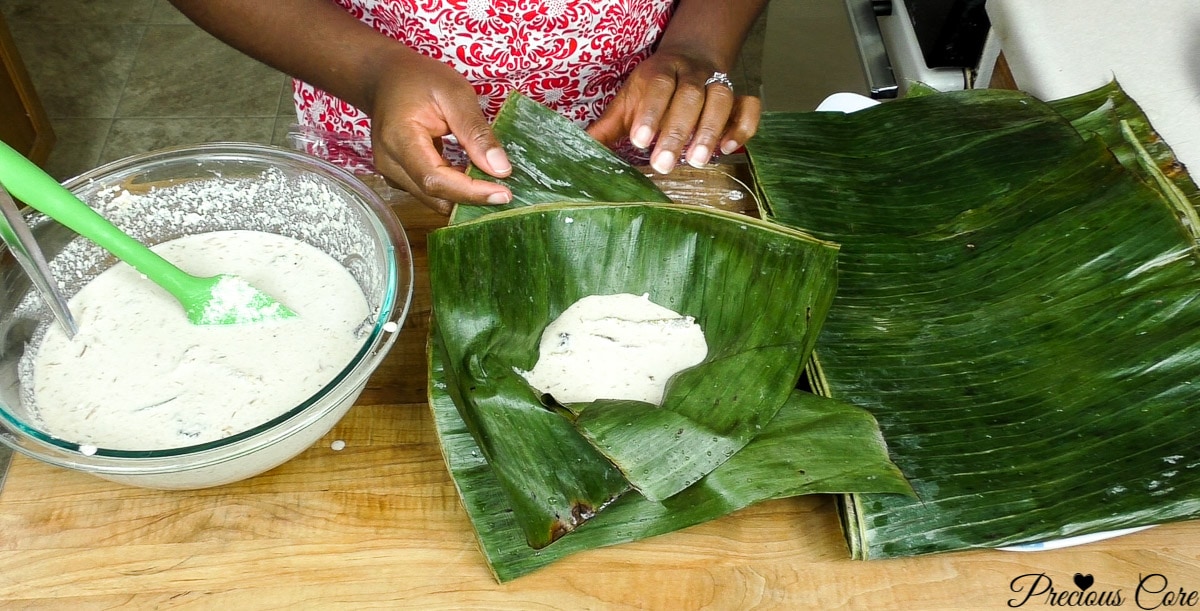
x=666 y=102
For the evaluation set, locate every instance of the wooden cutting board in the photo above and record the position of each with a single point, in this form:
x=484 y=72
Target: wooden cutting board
x=378 y=525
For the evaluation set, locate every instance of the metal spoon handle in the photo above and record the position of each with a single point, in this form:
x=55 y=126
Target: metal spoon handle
x=24 y=247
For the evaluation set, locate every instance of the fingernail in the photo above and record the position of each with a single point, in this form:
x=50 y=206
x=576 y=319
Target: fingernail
x=641 y=136
x=729 y=146
x=698 y=156
x=663 y=162
x=499 y=162
x=499 y=198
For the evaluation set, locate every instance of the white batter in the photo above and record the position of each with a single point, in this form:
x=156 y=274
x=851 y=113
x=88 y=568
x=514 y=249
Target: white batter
x=615 y=347
x=139 y=376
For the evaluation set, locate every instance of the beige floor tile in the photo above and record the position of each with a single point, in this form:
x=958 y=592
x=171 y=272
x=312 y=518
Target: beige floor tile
x=166 y=13
x=808 y=54
x=141 y=135
x=93 y=12
x=182 y=71
x=287 y=104
x=78 y=69
x=77 y=146
x=282 y=126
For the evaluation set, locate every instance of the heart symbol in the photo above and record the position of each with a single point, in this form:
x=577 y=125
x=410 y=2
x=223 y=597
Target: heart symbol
x=1084 y=581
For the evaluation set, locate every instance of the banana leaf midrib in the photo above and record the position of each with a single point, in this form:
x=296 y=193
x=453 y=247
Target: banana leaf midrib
x=581 y=205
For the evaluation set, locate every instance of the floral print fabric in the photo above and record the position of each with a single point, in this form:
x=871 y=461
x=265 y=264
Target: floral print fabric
x=571 y=55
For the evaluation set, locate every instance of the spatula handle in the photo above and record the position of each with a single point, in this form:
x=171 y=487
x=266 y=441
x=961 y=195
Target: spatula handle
x=32 y=185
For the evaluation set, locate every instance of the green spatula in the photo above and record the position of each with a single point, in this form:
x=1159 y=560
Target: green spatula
x=218 y=300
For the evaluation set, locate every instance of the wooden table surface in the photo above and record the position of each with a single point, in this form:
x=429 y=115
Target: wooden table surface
x=378 y=525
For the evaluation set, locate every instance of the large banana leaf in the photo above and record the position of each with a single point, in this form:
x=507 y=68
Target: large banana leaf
x=814 y=445
x=1016 y=308
x=555 y=161
x=758 y=291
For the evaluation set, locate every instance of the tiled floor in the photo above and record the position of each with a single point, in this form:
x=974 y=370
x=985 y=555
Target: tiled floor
x=808 y=54
x=119 y=77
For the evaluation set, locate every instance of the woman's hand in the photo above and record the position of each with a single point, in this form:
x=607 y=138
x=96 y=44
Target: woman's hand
x=412 y=100
x=415 y=102
x=669 y=101
x=666 y=96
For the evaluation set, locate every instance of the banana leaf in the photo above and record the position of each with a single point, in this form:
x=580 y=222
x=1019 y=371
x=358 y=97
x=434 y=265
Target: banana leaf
x=758 y=291
x=555 y=161
x=554 y=479
x=1015 y=307
x=813 y=445
x=1111 y=115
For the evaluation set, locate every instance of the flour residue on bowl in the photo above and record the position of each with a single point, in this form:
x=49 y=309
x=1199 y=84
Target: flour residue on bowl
x=139 y=376
x=273 y=201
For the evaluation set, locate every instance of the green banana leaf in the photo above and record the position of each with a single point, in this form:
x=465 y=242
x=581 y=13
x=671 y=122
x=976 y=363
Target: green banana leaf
x=758 y=291
x=1015 y=307
x=1111 y=115
x=813 y=445
x=554 y=479
x=555 y=161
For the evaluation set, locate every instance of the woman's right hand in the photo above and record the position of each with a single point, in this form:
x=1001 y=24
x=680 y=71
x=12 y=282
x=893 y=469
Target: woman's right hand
x=412 y=100
x=417 y=100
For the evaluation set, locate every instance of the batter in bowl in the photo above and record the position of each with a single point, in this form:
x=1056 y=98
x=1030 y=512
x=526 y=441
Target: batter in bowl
x=139 y=376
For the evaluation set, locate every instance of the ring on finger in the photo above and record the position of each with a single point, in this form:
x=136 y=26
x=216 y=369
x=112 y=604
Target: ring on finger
x=719 y=78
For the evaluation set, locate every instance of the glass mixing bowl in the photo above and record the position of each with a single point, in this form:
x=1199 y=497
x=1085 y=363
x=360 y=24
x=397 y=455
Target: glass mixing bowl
x=199 y=189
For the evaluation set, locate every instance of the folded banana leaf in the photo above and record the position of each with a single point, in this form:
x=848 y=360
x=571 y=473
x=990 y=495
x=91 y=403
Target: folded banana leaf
x=756 y=290
x=1015 y=306
x=813 y=445
x=1111 y=115
x=548 y=152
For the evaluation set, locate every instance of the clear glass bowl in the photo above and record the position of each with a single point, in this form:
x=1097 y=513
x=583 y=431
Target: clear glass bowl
x=242 y=186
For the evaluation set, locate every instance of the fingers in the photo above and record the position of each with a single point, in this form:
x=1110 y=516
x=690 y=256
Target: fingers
x=609 y=128
x=407 y=131
x=417 y=167
x=718 y=107
x=476 y=137
x=678 y=124
x=743 y=124
x=677 y=110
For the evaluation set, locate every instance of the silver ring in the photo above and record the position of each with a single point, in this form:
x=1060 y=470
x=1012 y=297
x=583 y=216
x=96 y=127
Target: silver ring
x=719 y=78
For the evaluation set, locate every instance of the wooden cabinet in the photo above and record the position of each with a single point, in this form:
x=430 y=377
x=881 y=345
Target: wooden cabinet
x=23 y=122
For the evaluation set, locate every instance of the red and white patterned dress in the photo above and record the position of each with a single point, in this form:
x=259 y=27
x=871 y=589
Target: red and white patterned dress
x=571 y=55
